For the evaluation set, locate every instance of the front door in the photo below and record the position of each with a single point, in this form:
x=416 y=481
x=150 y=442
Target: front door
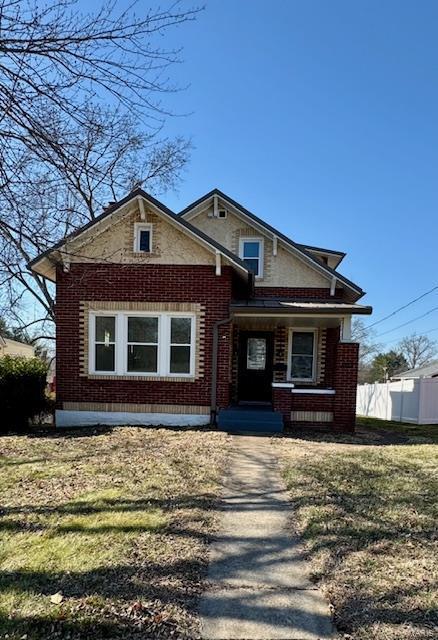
x=255 y=366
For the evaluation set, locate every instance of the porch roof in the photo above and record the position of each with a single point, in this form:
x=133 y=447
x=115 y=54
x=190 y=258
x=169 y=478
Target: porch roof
x=293 y=307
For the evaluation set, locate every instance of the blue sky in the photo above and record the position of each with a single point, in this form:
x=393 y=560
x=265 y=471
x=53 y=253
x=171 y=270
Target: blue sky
x=321 y=117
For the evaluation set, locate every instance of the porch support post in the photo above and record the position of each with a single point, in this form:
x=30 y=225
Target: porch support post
x=346 y=329
x=214 y=361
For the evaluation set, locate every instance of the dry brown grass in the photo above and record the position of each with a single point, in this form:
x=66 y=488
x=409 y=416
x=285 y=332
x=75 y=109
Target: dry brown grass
x=368 y=514
x=115 y=520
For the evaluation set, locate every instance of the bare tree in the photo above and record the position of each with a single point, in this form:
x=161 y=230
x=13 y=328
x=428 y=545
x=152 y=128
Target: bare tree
x=81 y=123
x=367 y=347
x=417 y=349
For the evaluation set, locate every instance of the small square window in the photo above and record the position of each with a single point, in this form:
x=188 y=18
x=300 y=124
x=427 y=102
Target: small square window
x=143 y=238
x=222 y=213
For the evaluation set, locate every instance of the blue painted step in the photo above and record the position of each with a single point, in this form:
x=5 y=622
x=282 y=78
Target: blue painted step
x=250 y=420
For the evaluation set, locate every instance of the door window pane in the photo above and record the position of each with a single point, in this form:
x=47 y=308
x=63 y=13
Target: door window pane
x=142 y=358
x=179 y=359
x=143 y=329
x=180 y=330
x=105 y=357
x=105 y=329
x=256 y=353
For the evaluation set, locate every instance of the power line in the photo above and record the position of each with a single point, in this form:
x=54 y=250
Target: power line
x=424 y=333
x=408 y=322
x=405 y=306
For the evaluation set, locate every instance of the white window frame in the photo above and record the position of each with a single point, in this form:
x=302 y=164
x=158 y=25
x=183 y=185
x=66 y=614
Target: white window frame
x=261 y=242
x=138 y=227
x=121 y=344
x=293 y=330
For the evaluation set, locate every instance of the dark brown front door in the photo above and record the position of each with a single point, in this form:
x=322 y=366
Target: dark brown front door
x=255 y=366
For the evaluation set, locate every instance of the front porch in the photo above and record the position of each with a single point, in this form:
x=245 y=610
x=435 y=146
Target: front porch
x=298 y=359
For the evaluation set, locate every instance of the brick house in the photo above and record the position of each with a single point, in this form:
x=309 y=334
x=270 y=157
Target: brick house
x=165 y=318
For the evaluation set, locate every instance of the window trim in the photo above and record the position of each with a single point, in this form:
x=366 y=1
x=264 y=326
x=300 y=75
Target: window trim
x=138 y=227
x=261 y=257
x=293 y=330
x=121 y=344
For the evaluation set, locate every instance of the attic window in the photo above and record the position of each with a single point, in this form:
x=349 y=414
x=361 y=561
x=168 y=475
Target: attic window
x=143 y=238
x=251 y=252
x=222 y=213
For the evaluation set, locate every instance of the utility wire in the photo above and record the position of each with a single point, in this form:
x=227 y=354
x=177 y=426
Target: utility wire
x=405 y=306
x=424 y=333
x=408 y=322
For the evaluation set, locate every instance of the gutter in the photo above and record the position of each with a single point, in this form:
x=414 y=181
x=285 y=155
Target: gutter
x=214 y=361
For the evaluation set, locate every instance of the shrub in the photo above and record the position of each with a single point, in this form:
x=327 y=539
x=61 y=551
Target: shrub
x=22 y=391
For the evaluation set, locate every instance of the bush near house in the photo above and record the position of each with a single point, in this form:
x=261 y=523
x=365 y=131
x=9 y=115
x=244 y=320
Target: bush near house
x=22 y=390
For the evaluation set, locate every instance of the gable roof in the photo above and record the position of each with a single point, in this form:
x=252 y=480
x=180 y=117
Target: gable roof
x=304 y=250
x=427 y=371
x=199 y=235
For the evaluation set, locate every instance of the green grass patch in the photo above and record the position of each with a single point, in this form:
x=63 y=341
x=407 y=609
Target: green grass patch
x=114 y=522
x=368 y=516
x=428 y=431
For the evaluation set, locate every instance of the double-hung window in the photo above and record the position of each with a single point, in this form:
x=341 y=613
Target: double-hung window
x=302 y=346
x=251 y=252
x=143 y=343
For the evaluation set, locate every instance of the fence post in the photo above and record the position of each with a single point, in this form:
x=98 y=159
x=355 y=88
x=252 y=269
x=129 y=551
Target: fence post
x=402 y=397
x=420 y=401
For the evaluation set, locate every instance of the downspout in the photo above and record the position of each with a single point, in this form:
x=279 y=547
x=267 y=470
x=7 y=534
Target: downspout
x=214 y=360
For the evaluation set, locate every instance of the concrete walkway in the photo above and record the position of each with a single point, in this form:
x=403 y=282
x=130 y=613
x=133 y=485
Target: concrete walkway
x=258 y=588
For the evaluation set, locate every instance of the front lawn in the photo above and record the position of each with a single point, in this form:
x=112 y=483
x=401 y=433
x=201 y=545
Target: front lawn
x=368 y=512
x=400 y=428
x=104 y=532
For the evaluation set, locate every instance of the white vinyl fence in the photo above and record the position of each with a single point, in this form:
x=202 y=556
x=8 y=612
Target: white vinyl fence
x=414 y=401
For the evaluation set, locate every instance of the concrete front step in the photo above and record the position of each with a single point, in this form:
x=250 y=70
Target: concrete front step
x=250 y=421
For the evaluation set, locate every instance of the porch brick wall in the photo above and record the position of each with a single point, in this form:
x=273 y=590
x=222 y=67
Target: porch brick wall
x=141 y=283
x=282 y=402
x=345 y=384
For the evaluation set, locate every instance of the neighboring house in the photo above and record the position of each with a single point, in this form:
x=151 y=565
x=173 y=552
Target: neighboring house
x=426 y=371
x=168 y=319
x=10 y=347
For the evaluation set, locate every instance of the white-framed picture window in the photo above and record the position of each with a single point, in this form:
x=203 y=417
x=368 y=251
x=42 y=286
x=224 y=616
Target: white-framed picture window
x=142 y=237
x=142 y=343
x=302 y=355
x=251 y=252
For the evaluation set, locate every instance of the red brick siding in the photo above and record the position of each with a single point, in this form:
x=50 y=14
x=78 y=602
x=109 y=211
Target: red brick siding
x=312 y=402
x=152 y=283
x=282 y=401
x=345 y=383
x=296 y=292
x=331 y=342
